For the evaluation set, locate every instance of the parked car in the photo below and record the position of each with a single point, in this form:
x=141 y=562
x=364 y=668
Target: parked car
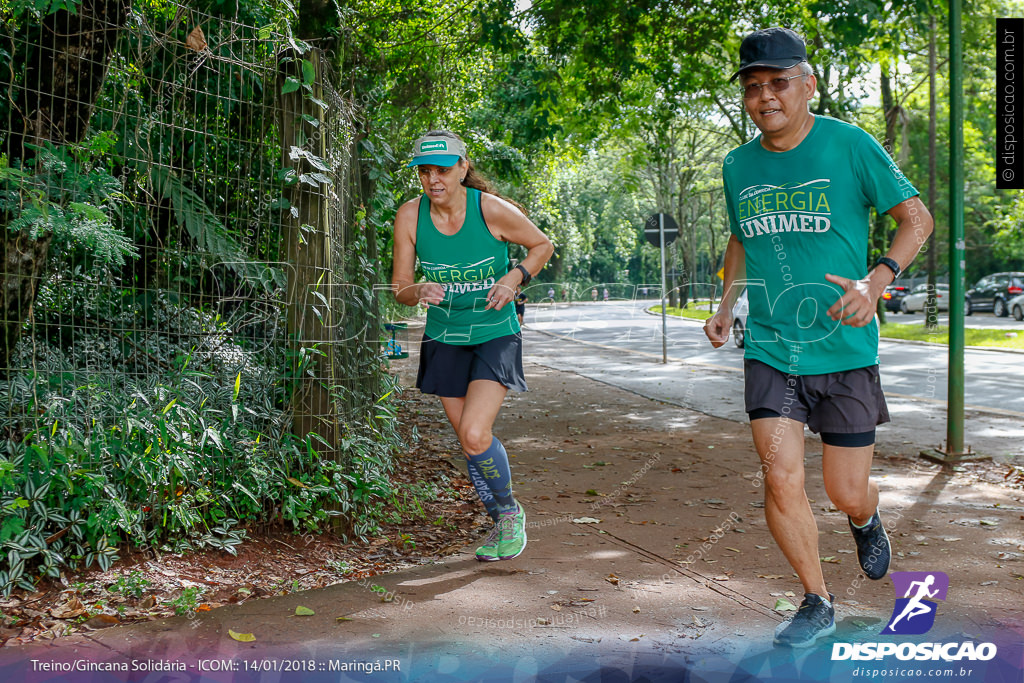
x=739 y=320
x=918 y=298
x=993 y=293
x=1016 y=306
x=893 y=295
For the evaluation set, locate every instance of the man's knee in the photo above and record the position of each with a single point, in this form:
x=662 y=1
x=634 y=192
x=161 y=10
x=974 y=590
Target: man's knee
x=783 y=482
x=849 y=500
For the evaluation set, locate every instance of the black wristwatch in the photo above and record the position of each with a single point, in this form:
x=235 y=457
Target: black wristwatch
x=526 y=274
x=891 y=264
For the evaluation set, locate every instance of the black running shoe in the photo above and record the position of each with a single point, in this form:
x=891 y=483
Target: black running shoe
x=873 y=549
x=813 y=620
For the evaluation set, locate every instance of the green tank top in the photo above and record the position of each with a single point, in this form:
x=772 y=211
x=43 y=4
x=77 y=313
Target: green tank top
x=467 y=264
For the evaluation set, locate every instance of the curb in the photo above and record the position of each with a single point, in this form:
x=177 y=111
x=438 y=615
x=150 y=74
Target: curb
x=888 y=339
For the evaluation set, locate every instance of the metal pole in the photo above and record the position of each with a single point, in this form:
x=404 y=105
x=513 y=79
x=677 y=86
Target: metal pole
x=953 y=451
x=955 y=391
x=664 y=301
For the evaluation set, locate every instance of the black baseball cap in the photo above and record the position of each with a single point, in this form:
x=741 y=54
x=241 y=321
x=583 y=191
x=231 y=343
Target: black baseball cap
x=772 y=48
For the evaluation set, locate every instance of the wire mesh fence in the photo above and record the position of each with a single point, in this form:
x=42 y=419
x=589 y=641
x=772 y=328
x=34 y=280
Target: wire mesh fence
x=189 y=332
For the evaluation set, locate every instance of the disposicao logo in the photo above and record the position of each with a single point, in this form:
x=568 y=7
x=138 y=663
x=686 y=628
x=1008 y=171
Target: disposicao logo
x=434 y=146
x=914 y=614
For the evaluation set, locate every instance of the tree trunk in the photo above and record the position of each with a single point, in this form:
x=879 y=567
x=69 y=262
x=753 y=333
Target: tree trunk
x=879 y=240
x=931 y=310
x=311 y=318
x=53 y=104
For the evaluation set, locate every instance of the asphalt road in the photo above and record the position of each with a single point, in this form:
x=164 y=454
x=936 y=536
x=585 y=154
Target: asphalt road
x=994 y=379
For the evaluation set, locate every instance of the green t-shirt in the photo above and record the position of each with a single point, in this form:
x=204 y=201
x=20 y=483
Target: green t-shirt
x=801 y=214
x=467 y=264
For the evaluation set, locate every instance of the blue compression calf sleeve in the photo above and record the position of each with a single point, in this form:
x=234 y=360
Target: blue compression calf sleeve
x=483 y=490
x=493 y=465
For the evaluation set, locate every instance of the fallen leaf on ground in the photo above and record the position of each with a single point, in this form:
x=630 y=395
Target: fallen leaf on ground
x=69 y=610
x=612 y=579
x=301 y=611
x=770 y=576
x=586 y=520
x=783 y=605
x=242 y=637
x=101 y=621
x=343 y=618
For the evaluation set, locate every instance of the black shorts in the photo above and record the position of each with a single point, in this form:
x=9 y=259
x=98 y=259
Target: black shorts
x=849 y=402
x=447 y=369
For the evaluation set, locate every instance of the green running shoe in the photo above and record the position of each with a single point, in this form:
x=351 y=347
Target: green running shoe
x=513 y=536
x=488 y=552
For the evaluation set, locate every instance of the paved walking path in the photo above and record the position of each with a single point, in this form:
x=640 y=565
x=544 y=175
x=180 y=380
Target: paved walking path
x=648 y=556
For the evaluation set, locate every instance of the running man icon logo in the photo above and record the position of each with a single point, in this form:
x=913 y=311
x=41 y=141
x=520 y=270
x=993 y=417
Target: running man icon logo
x=914 y=613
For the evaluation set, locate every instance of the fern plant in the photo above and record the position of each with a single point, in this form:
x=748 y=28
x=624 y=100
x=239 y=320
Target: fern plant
x=62 y=193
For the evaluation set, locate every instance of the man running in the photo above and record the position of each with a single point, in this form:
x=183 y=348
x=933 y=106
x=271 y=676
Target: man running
x=799 y=197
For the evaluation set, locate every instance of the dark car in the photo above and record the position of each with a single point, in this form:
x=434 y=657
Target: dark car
x=991 y=293
x=893 y=295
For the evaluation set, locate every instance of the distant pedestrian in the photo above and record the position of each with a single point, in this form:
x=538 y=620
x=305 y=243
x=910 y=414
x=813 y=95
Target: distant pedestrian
x=551 y=293
x=521 y=300
x=606 y=294
x=593 y=294
x=472 y=351
x=798 y=198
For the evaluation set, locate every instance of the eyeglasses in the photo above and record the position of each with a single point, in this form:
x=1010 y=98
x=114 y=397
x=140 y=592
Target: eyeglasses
x=777 y=85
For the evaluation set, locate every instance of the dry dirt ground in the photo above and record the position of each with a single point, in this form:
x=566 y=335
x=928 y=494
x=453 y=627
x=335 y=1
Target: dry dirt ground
x=647 y=535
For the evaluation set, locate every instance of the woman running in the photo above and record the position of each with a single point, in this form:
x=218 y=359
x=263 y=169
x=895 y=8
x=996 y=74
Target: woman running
x=472 y=351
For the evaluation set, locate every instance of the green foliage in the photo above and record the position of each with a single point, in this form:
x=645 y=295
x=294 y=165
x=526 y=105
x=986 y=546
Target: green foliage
x=187 y=601
x=209 y=234
x=176 y=459
x=131 y=585
x=63 y=193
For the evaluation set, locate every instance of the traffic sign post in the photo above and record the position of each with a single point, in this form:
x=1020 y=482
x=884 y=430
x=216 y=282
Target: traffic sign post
x=661 y=230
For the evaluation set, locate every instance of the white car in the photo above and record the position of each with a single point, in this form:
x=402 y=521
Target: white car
x=739 y=320
x=1016 y=307
x=918 y=298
